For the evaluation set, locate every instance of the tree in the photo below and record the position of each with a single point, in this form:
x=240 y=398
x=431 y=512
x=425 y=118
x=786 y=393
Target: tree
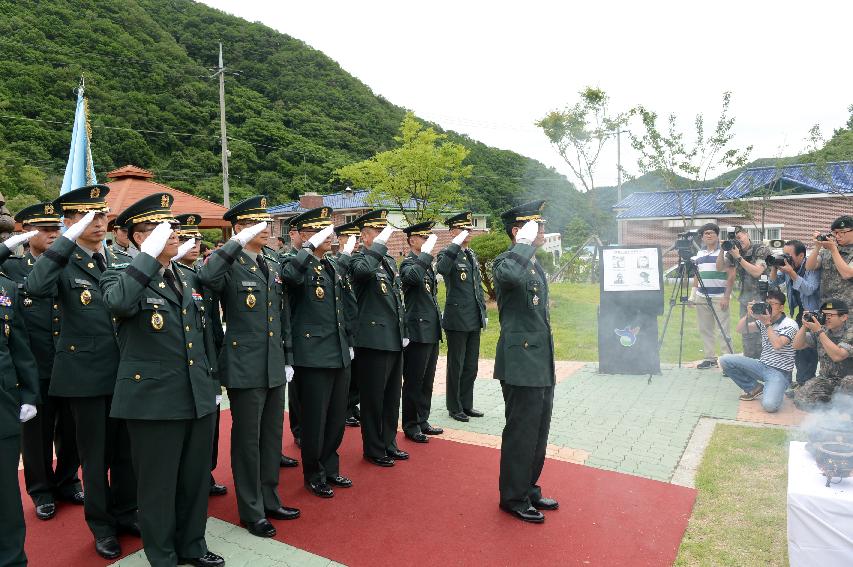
x=487 y=247
x=422 y=177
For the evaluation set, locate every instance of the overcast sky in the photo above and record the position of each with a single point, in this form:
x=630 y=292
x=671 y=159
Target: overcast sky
x=490 y=69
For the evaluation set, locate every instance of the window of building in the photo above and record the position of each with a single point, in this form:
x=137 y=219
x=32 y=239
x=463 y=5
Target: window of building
x=350 y=217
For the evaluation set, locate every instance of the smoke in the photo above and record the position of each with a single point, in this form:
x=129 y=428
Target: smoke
x=832 y=422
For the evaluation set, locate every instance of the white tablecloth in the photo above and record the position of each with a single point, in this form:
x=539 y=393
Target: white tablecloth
x=820 y=519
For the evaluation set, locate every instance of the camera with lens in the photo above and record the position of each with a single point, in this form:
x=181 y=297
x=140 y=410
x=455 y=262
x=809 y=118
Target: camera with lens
x=685 y=244
x=779 y=260
x=762 y=307
x=824 y=237
x=730 y=241
x=818 y=316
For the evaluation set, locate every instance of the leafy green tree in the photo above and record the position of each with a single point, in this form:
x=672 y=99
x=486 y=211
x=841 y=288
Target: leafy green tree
x=426 y=171
x=487 y=247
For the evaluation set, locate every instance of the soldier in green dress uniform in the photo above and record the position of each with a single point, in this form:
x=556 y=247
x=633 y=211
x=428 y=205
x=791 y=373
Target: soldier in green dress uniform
x=464 y=316
x=321 y=350
x=121 y=244
x=380 y=337
x=524 y=364
x=87 y=356
x=18 y=398
x=293 y=410
x=348 y=235
x=54 y=425
x=254 y=362
x=423 y=321
x=165 y=388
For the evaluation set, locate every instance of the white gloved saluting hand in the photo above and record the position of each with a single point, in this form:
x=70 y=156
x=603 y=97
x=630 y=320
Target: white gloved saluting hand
x=15 y=241
x=183 y=249
x=156 y=241
x=384 y=235
x=429 y=244
x=320 y=237
x=74 y=231
x=350 y=245
x=27 y=412
x=527 y=233
x=460 y=238
x=351 y=353
x=247 y=234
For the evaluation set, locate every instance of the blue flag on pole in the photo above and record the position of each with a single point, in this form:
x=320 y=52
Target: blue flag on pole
x=80 y=171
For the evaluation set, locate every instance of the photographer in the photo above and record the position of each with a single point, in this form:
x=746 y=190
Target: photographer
x=828 y=331
x=777 y=353
x=748 y=261
x=718 y=288
x=803 y=291
x=834 y=253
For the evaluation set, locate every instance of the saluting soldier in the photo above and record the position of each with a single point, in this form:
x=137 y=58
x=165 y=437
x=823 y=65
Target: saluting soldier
x=87 y=355
x=423 y=321
x=18 y=398
x=165 y=387
x=121 y=244
x=54 y=425
x=380 y=337
x=186 y=260
x=349 y=233
x=464 y=316
x=254 y=361
x=321 y=350
x=293 y=409
x=524 y=363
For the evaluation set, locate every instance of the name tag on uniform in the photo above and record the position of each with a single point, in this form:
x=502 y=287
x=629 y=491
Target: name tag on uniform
x=155 y=300
x=250 y=284
x=82 y=282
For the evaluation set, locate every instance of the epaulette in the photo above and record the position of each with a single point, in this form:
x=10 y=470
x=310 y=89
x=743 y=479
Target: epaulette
x=185 y=267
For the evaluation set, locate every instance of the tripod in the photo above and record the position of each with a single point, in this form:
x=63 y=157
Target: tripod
x=686 y=266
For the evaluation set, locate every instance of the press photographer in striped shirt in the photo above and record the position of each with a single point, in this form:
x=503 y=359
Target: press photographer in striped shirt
x=718 y=287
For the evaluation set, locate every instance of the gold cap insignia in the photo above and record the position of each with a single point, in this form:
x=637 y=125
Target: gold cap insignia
x=264 y=202
x=828 y=306
x=191 y=219
x=48 y=209
x=383 y=214
x=95 y=192
x=164 y=201
x=324 y=212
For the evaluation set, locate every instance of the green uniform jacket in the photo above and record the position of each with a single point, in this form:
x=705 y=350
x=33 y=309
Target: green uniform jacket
x=318 y=314
x=525 y=351
x=381 y=316
x=465 y=305
x=420 y=290
x=257 y=331
x=41 y=315
x=18 y=375
x=164 y=371
x=344 y=262
x=208 y=304
x=87 y=351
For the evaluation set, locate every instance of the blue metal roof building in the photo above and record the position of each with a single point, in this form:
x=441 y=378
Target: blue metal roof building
x=834 y=177
x=672 y=204
x=354 y=199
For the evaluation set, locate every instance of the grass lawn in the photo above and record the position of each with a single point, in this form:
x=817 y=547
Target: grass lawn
x=739 y=516
x=574 y=320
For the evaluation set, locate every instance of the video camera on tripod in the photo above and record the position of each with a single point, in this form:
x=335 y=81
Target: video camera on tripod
x=685 y=244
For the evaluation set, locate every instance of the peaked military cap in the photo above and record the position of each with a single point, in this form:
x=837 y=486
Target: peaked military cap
x=377 y=218
x=531 y=211
x=420 y=229
x=40 y=214
x=318 y=218
x=835 y=305
x=347 y=229
x=153 y=208
x=88 y=198
x=189 y=224
x=462 y=220
x=252 y=209
x=845 y=221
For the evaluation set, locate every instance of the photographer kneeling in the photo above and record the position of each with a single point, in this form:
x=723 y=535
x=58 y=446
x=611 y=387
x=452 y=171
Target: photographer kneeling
x=774 y=366
x=829 y=332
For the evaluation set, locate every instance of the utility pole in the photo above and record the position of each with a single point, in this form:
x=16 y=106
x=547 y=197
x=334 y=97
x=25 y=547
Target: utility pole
x=226 y=198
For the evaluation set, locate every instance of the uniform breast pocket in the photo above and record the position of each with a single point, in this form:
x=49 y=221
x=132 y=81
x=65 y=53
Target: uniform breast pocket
x=156 y=318
x=86 y=292
x=534 y=294
x=248 y=296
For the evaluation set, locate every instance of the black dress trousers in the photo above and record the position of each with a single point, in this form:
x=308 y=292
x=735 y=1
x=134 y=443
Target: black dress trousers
x=380 y=378
x=419 y=362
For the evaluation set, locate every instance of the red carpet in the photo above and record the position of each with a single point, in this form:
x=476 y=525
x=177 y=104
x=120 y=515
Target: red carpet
x=440 y=507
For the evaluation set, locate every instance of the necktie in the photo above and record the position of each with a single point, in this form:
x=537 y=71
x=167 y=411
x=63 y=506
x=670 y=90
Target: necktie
x=100 y=261
x=262 y=264
x=169 y=278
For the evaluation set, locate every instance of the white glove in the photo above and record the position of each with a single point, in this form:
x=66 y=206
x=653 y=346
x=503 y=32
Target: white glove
x=247 y=234
x=183 y=249
x=27 y=412
x=288 y=372
x=15 y=241
x=384 y=235
x=429 y=244
x=487 y=322
x=405 y=342
x=74 y=231
x=351 y=353
x=460 y=238
x=321 y=237
x=156 y=241
x=218 y=399
x=528 y=233
x=350 y=245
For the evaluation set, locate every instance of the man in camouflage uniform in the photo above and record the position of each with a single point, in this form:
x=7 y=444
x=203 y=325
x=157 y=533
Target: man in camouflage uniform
x=748 y=260
x=835 y=258
x=834 y=342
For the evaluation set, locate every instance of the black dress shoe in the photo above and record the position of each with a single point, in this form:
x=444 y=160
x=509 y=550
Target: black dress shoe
x=46 y=511
x=108 y=547
x=261 y=528
x=397 y=454
x=430 y=430
x=473 y=413
x=283 y=513
x=352 y=422
x=218 y=490
x=131 y=529
x=288 y=461
x=418 y=438
x=546 y=504
x=320 y=489
x=339 y=480
x=209 y=559
x=461 y=416
x=380 y=461
x=75 y=497
x=531 y=515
